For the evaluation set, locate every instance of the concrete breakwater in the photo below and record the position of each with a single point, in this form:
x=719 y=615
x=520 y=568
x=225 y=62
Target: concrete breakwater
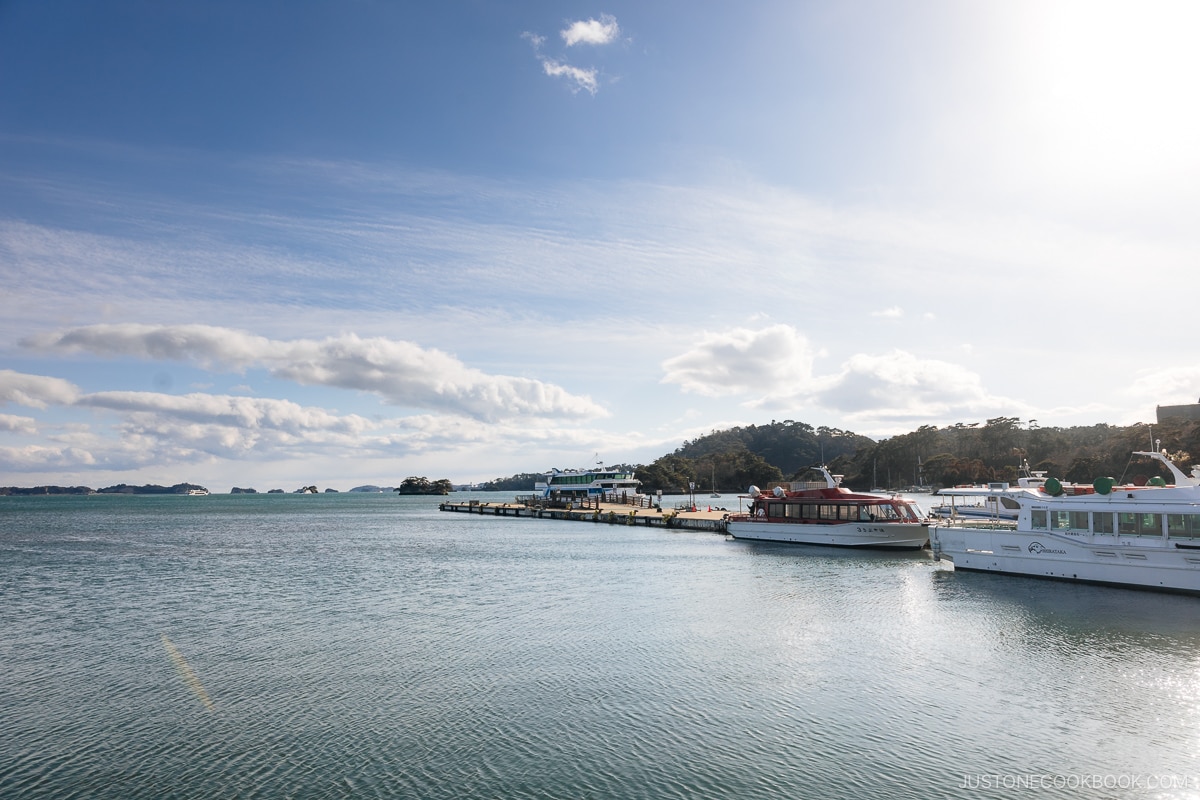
x=702 y=519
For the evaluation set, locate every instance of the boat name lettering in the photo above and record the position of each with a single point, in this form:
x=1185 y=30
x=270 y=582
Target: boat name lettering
x=1038 y=548
x=869 y=529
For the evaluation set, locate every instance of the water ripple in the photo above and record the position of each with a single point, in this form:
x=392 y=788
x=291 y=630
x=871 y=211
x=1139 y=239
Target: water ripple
x=371 y=646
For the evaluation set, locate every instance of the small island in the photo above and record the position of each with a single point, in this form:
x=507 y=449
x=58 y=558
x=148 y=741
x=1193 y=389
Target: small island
x=423 y=485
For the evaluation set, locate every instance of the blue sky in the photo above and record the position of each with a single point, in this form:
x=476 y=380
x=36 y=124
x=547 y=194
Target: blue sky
x=272 y=244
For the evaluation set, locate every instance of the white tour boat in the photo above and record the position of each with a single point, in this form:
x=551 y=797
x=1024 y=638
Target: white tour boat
x=1139 y=536
x=599 y=483
x=825 y=513
x=987 y=501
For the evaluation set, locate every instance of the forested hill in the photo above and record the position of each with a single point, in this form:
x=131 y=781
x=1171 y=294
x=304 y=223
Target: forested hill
x=994 y=451
x=930 y=456
x=521 y=482
x=788 y=445
x=755 y=454
x=963 y=453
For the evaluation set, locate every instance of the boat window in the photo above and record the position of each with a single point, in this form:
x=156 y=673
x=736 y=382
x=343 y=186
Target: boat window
x=1183 y=526
x=1102 y=522
x=775 y=509
x=1139 y=524
x=1069 y=520
x=1037 y=520
x=847 y=513
x=793 y=510
x=1009 y=503
x=826 y=512
x=867 y=513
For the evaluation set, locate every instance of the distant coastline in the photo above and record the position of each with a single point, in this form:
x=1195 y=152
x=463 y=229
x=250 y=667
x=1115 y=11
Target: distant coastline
x=179 y=488
x=120 y=488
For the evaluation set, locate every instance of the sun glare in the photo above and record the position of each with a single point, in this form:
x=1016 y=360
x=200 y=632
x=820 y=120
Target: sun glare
x=1107 y=86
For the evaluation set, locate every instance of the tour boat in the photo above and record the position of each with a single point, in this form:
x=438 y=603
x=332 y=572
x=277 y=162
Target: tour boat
x=988 y=501
x=985 y=504
x=597 y=483
x=1136 y=536
x=825 y=513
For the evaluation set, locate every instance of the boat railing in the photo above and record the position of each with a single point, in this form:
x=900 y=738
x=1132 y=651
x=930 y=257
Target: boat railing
x=985 y=523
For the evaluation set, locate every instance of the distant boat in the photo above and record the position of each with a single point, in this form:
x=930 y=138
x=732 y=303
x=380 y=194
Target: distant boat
x=197 y=492
x=575 y=484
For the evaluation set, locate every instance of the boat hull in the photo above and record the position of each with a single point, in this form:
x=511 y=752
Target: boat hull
x=871 y=536
x=1048 y=555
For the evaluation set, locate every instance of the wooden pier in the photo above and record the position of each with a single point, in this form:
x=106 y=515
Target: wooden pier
x=702 y=519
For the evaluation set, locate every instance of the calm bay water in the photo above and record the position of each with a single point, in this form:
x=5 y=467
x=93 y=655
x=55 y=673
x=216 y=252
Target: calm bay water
x=371 y=646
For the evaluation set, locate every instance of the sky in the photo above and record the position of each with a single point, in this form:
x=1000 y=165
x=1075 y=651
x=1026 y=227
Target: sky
x=273 y=244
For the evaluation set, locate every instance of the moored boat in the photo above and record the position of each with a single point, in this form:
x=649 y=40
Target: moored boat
x=989 y=501
x=576 y=484
x=1136 y=536
x=825 y=513
x=976 y=502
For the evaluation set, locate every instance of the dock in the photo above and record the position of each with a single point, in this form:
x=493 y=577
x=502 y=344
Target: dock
x=704 y=518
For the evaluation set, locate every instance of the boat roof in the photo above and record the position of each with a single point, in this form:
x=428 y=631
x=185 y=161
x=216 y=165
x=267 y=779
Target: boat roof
x=1184 y=485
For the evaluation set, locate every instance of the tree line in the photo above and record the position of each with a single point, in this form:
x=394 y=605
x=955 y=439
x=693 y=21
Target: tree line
x=964 y=453
x=997 y=449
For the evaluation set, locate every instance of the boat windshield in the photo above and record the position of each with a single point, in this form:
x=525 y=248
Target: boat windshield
x=890 y=511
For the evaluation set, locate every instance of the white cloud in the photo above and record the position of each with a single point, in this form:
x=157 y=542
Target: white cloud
x=1174 y=386
x=204 y=344
x=35 y=391
x=901 y=386
x=15 y=424
x=737 y=361
x=580 y=78
x=775 y=365
x=39 y=457
x=591 y=31
x=249 y=413
x=401 y=373
x=895 y=312
x=163 y=428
